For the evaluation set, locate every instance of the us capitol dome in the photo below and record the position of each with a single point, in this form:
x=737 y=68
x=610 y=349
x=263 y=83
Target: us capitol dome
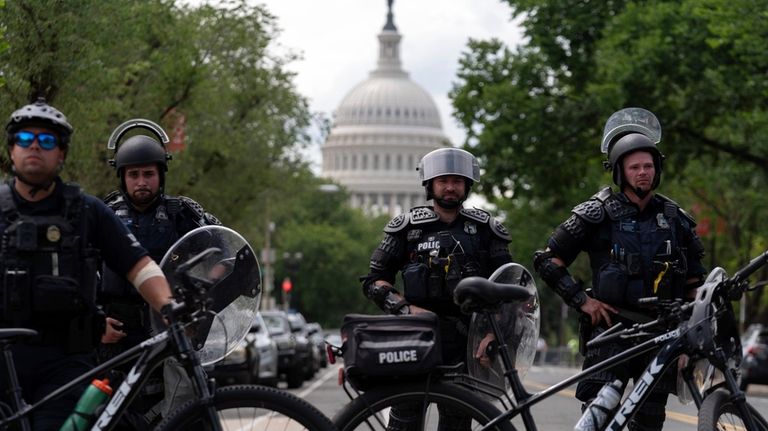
x=380 y=131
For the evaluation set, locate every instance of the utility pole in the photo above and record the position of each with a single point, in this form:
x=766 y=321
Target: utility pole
x=267 y=259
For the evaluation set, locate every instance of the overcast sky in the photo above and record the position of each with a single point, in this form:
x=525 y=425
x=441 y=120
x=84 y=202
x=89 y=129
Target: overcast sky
x=338 y=42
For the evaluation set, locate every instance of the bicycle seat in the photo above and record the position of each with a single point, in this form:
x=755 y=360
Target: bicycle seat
x=9 y=335
x=475 y=294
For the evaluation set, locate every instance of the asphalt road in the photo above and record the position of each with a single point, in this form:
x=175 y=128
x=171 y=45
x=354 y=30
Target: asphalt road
x=560 y=411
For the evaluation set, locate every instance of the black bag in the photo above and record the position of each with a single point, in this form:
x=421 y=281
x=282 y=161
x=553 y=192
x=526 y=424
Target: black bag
x=386 y=348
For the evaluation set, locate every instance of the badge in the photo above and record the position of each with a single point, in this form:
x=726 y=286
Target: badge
x=470 y=228
x=661 y=221
x=53 y=233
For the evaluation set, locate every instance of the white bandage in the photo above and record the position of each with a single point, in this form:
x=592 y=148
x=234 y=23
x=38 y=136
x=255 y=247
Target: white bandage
x=150 y=270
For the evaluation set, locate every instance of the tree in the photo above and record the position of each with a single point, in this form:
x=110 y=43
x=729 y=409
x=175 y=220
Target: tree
x=534 y=115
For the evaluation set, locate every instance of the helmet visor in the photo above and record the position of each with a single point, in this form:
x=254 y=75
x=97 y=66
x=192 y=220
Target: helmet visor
x=628 y=120
x=449 y=161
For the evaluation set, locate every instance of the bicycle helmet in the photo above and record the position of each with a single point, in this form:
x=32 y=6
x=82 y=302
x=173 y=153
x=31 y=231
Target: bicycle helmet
x=41 y=114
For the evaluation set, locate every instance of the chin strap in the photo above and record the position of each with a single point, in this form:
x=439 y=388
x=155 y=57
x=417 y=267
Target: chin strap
x=35 y=187
x=449 y=205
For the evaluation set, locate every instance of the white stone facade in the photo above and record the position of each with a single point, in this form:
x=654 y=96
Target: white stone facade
x=381 y=130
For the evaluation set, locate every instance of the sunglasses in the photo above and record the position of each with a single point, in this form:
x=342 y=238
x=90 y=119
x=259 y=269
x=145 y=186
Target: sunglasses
x=47 y=141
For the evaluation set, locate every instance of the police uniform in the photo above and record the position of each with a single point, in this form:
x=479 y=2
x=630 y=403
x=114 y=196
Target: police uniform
x=432 y=257
x=633 y=254
x=50 y=254
x=157 y=229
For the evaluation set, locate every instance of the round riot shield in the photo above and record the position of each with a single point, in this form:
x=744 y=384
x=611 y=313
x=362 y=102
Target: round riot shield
x=232 y=271
x=519 y=323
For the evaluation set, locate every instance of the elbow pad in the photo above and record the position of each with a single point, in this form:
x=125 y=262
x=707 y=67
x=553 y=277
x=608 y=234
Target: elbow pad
x=558 y=278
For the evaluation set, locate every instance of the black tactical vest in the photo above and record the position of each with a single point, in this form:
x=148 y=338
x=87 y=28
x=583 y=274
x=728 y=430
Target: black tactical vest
x=48 y=268
x=645 y=256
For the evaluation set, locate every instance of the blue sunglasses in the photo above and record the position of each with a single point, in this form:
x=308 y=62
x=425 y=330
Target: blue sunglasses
x=47 y=141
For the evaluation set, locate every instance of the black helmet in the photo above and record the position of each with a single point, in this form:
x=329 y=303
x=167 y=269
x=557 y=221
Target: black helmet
x=139 y=149
x=42 y=114
x=629 y=144
x=448 y=161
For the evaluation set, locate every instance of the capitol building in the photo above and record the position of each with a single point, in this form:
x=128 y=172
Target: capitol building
x=380 y=131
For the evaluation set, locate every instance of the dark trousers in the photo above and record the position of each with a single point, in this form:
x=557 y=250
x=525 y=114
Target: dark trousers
x=43 y=369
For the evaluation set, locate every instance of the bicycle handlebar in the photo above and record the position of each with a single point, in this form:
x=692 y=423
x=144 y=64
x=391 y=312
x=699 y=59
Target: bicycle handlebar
x=749 y=269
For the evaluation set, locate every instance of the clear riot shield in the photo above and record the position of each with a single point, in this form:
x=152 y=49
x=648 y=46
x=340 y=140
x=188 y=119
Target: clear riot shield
x=630 y=120
x=234 y=293
x=518 y=321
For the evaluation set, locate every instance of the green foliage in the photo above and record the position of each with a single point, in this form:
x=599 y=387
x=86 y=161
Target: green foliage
x=534 y=115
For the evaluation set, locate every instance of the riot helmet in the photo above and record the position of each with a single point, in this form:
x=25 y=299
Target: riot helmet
x=40 y=114
x=627 y=131
x=448 y=161
x=139 y=149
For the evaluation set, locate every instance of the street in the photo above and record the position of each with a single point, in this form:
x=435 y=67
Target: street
x=558 y=412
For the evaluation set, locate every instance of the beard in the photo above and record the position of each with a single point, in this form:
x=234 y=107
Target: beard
x=143 y=197
x=449 y=202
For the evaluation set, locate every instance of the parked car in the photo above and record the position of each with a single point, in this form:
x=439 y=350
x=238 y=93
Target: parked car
x=300 y=330
x=267 y=351
x=293 y=351
x=315 y=333
x=240 y=366
x=754 y=365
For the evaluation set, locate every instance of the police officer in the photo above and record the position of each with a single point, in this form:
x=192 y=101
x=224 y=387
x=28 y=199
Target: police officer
x=640 y=244
x=53 y=236
x=157 y=221
x=434 y=247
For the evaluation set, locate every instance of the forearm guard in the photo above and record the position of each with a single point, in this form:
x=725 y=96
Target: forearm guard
x=558 y=278
x=385 y=297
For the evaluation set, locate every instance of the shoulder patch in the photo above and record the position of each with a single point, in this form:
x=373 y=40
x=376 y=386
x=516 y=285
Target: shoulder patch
x=590 y=211
x=396 y=224
x=475 y=214
x=421 y=215
x=498 y=228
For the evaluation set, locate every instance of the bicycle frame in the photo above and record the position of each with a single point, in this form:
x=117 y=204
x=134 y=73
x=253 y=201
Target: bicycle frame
x=673 y=344
x=150 y=353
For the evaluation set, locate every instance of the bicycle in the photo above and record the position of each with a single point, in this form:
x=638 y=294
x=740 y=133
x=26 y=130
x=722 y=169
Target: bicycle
x=215 y=279
x=685 y=328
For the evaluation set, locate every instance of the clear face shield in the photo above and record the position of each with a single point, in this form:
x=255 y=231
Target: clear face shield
x=630 y=120
x=519 y=323
x=235 y=292
x=449 y=161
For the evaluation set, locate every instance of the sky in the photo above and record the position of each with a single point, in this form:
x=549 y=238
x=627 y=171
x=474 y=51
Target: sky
x=338 y=42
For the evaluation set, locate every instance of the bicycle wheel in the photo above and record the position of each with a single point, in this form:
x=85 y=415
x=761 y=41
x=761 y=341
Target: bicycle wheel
x=250 y=407
x=371 y=410
x=719 y=413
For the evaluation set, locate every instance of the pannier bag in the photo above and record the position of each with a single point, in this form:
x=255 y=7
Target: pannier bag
x=384 y=348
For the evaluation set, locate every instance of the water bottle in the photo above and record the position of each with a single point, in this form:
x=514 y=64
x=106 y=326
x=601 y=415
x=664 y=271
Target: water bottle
x=595 y=415
x=93 y=397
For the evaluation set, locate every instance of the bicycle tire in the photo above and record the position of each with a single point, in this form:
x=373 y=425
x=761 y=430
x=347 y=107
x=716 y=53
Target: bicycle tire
x=250 y=407
x=717 y=412
x=369 y=411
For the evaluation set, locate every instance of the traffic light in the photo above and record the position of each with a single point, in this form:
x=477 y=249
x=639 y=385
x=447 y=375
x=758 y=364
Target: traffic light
x=287 y=285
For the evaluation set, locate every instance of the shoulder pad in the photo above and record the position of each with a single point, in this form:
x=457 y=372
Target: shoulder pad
x=590 y=211
x=681 y=212
x=421 y=215
x=475 y=214
x=193 y=206
x=603 y=194
x=113 y=197
x=211 y=219
x=498 y=228
x=396 y=224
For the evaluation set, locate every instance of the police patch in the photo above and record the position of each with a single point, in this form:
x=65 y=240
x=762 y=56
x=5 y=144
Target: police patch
x=661 y=222
x=470 y=227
